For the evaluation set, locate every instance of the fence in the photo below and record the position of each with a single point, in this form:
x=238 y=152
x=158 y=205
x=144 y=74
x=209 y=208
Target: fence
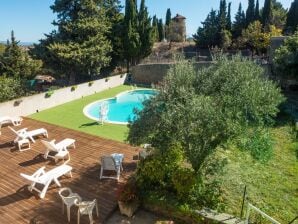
x=28 y=105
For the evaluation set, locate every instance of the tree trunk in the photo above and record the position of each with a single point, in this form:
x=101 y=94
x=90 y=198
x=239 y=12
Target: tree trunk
x=72 y=78
x=127 y=65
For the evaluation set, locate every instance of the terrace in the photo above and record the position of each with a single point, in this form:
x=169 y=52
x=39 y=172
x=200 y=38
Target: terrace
x=18 y=205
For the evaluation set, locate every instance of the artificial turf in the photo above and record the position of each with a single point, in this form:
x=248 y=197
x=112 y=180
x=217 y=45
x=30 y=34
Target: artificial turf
x=70 y=115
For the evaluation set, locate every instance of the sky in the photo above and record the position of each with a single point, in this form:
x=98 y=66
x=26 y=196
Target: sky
x=31 y=19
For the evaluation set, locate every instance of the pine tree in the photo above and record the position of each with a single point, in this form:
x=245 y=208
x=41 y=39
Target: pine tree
x=80 y=46
x=267 y=15
x=292 y=21
x=229 y=19
x=257 y=11
x=239 y=23
x=250 y=12
x=208 y=35
x=16 y=62
x=132 y=41
x=145 y=31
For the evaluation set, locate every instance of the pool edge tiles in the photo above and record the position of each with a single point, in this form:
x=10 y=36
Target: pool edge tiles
x=88 y=109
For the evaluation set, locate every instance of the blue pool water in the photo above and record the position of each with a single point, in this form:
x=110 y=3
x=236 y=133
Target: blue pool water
x=121 y=108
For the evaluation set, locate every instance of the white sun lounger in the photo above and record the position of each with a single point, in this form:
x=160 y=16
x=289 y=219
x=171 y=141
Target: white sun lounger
x=11 y=120
x=46 y=178
x=23 y=133
x=60 y=148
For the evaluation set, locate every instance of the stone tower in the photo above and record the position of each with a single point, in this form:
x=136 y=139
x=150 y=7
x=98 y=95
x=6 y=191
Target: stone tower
x=177 y=29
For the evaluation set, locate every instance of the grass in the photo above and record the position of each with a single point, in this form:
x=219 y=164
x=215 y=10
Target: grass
x=70 y=115
x=272 y=187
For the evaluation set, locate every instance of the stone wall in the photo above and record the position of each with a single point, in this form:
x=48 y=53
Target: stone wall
x=148 y=74
x=28 y=105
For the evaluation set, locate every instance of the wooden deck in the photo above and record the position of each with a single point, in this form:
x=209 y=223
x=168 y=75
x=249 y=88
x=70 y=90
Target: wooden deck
x=18 y=205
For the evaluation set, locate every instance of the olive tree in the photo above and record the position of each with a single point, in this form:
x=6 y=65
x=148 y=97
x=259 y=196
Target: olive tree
x=201 y=109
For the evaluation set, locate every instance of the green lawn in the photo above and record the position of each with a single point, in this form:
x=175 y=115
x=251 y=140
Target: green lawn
x=70 y=115
x=273 y=186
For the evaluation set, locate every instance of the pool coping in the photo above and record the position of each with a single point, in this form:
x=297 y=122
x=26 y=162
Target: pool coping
x=85 y=110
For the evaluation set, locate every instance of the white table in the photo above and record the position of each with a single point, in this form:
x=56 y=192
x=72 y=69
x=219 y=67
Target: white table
x=23 y=144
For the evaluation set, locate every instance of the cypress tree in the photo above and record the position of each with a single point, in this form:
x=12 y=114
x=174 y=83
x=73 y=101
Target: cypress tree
x=145 y=31
x=267 y=14
x=292 y=18
x=167 y=22
x=132 y=38
x=229 y=19
x=257 y=11
x=155 y=34
x=161 y=30
x=250 y=12
x=168 y=17
x=239 y=23
x=222 y=16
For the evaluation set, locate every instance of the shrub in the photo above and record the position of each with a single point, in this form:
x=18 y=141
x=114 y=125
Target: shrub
x=73 y=88
x=90 y=83
x=183 y=180
x=11 y=88
x=259 y=143
x=128 y=192
x=49 y=93
x=286 y=57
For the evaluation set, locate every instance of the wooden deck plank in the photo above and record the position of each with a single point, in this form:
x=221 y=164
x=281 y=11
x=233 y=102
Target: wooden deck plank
x=18 y=205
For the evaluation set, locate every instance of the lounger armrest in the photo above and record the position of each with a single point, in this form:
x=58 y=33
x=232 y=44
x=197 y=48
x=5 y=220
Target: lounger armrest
x=39 y=172
x=53 y=141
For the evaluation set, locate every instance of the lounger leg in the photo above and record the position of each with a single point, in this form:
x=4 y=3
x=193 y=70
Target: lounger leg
x=78 y=216
x=96 y=206
x=44 y=190
x=101 y=171
x=57 y=182
x=68 y=213
x=32 y=139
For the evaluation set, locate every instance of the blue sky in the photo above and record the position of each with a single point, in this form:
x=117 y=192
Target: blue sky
x=30 y=19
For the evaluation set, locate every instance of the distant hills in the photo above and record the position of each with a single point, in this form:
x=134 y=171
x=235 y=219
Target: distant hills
x=27 y=44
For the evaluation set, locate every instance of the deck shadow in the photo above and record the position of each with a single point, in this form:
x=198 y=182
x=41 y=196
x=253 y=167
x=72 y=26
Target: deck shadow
x=37 y=159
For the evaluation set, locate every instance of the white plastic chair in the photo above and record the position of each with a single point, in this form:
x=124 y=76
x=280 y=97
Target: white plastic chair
x=86 y=208
x=109 y=163
x=45 y=178
x=23 y=133
x=58 y=148
x=68 y=199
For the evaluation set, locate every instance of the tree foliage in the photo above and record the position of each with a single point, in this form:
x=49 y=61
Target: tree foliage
x=250 y=12
x=267 y=14
x=239 y=23
x=202 y=109
x=292 y=21
x=11 y=88
x=80 y=46
x=256 y=39
x=286 y=57
x=16 y=62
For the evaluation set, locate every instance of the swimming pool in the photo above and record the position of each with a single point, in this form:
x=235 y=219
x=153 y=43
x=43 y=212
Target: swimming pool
x=120 y=108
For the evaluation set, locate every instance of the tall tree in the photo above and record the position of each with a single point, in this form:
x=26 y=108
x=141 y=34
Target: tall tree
x=208 y=34
x=132 y=38
x=239 y=23
x=16 y=62
x=279 y=14
x=257 y=11
x=113 y=13
x=167 y=22
x=267 y=15
x=160 y=30
x=155 y=29
x=168 y=17
x=292 y=21
x=80 y=46
x=145 y=31
x=222 y=15
x=250 y=12
x=229 y=18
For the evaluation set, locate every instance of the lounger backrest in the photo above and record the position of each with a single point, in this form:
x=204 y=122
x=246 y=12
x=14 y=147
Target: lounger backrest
x=108 y=163
x=32 y=179
x=49 y=145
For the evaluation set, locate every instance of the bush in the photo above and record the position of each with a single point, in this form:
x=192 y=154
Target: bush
x=286 y=57
x=183 y=180
x=259 y=143
x=11 y=88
